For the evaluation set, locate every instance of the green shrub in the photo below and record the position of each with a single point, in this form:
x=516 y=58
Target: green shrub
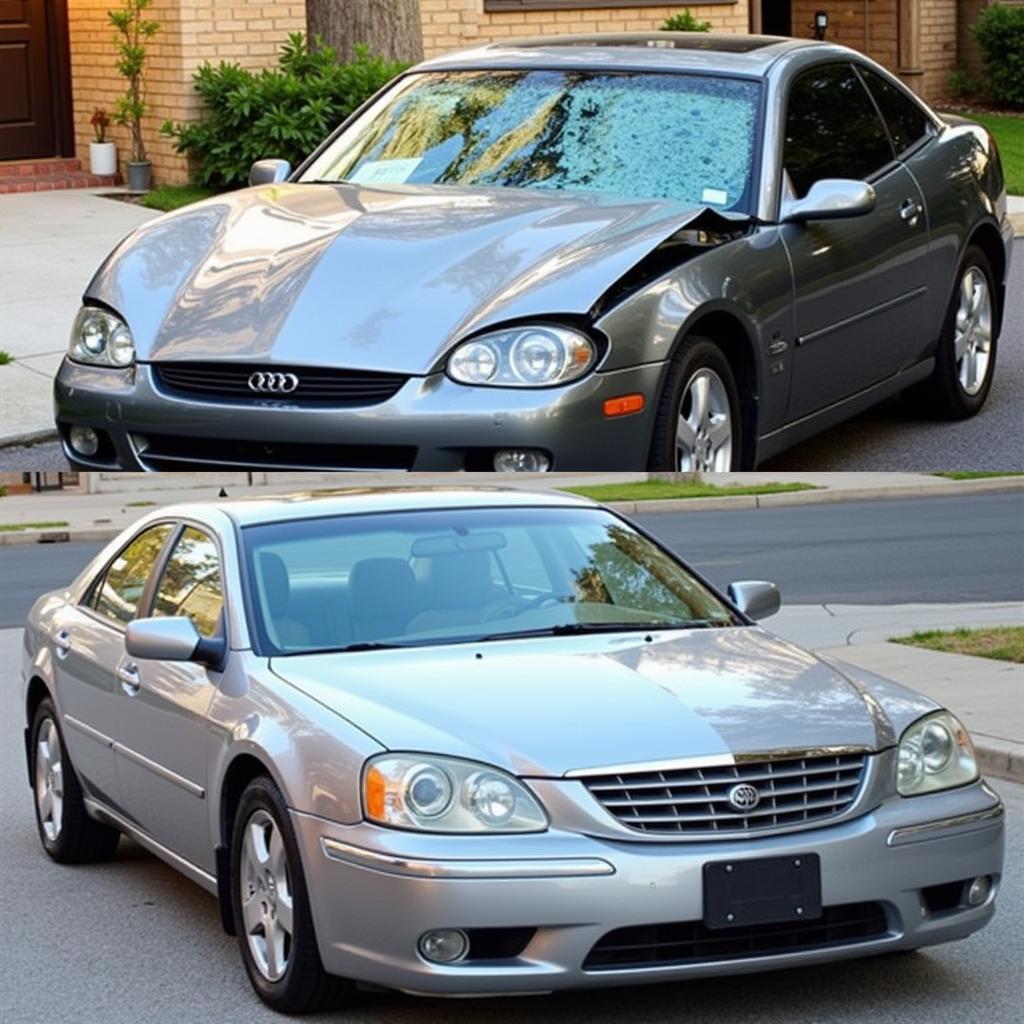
x=961 y=84
x=282 y=112
x=685 y=22
x=999 y=31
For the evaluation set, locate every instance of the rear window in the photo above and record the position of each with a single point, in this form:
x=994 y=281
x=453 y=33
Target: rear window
x=906 y=121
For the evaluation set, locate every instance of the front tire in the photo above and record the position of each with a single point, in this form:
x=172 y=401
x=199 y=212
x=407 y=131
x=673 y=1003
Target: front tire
x=66 y=831
x=271 y=907
x=966 y=355
x=697 y=427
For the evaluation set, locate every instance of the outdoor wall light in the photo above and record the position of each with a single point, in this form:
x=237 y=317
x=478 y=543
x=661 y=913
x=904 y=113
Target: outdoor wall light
x=820 y=24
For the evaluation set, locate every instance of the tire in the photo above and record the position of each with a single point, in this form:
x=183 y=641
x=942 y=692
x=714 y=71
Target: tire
x=288 y=976
x=66 y=831
x=698 y=358
x=944 y=395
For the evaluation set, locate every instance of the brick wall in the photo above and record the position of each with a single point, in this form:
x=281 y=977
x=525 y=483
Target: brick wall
x=451 y=24
x=192 y=31
x=938 y=46
x=876 y=34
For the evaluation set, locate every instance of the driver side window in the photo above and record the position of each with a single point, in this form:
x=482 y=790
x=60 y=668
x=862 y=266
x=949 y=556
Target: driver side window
x=832 y=129
x=191 y=584
x=117 y=593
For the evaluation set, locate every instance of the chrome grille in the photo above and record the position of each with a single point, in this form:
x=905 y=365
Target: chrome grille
x=792 y=790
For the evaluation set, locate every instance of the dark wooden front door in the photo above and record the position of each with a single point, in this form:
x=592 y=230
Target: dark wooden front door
x=33 y=79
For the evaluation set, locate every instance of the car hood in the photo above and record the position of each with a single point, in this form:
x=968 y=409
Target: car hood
x=549 y=706
x=382 y=278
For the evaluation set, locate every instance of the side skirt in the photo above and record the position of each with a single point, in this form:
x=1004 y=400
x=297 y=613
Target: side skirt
x=814 y=423
x=179 y=863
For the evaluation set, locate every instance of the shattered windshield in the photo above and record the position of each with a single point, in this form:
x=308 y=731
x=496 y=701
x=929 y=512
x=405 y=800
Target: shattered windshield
x=634 y=134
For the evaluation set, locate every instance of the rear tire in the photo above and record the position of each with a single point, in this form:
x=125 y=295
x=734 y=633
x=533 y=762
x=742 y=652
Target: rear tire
x=271 y=907
x=697 y=427
x=965 y=358
x=66 y=831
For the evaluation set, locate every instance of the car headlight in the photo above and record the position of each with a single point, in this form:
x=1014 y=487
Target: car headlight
x=444 y=794
x=523 y=357
x=935 y=753
x=101 y=339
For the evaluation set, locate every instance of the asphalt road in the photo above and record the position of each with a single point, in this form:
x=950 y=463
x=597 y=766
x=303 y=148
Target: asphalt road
x=866 y=552
x=132 y=940
x=888 y=437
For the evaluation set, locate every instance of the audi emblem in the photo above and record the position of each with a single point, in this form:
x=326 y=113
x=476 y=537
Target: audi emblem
x=273 y=383
x=743 y=797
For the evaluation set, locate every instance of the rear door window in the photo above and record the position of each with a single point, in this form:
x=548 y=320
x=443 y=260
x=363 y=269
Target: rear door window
x=117 y=594
x=907 y=122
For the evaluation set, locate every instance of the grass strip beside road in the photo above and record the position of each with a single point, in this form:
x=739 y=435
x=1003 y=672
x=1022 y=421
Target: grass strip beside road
x=172 y=197
x=11 y=527
x=655 y=490
x=1009 y=135
x=979 y=474
x=1002 y=643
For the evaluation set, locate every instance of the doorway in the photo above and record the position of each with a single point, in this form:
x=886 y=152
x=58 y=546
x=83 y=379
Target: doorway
x=35 y=80
x=776 y=17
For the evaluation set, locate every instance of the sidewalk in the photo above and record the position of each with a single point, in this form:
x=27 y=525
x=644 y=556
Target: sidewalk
x=51 y=244
x=102 y=516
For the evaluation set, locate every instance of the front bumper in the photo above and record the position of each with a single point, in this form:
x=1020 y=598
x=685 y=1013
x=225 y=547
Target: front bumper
x=430 y=424
x=375 y=891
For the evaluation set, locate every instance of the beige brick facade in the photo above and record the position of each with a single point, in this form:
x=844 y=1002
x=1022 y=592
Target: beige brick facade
x=450 y=24
x=192 y=31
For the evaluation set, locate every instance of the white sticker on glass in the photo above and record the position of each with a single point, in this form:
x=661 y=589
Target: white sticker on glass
x=385 y=172
x=718 y=196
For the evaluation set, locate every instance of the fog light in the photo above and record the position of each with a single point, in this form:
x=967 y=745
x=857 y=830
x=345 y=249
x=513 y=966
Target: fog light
x=84 y=440
x=521 y=460
x=444 y=945
x=979 y=890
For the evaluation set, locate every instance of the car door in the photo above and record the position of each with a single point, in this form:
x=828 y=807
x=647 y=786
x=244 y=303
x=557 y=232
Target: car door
x=859 y=282
x=88 y=642
x=164 y=742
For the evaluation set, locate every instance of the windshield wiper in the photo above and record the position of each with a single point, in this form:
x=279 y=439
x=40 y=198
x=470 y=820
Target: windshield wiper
x=582 y=628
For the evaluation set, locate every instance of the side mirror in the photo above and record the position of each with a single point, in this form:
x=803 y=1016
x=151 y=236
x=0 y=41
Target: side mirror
x=757 y=599
x=830 y=199
x=172 y=639
x=269 y=172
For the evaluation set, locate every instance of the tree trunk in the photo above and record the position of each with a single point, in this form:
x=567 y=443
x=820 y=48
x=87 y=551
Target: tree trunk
x=389 y=28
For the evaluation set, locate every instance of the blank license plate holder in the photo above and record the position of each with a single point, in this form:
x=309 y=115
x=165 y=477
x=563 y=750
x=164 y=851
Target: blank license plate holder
x=767 y=890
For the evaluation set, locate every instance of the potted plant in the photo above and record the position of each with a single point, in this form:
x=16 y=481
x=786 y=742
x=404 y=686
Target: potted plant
x=133 y=31
x=102 y=154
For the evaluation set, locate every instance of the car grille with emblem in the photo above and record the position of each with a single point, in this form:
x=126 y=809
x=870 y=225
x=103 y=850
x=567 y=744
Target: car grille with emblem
x=296 y=385
x=729 y=798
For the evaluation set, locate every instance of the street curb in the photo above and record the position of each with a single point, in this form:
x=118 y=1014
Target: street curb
x=60 y=535
x=823 y=496
x=1000 y=759
x=31 y=438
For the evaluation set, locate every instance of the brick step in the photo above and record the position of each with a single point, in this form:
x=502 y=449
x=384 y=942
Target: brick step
x=53 y=181
x=52 y=165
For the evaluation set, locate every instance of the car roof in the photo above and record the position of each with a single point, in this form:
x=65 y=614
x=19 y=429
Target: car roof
x=369 y=500
x=654 y=51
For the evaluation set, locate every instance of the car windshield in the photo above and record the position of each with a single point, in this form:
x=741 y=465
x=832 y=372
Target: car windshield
x=445 y=576
x=629 y=134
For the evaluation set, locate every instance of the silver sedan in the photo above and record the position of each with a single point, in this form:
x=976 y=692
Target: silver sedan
x=613 y=252
x=478 y=742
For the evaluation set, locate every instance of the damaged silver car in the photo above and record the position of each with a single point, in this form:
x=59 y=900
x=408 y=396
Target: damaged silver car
x=625 y=252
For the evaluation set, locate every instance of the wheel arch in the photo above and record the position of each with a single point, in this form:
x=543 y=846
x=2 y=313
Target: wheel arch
x=986 y=237
x=35 y=693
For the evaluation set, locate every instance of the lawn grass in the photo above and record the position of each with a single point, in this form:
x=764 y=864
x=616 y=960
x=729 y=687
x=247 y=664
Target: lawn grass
x=980 y=474
x=1003 y=643
x=11 y=527
x=1009 y=134
x=139 y=504
x=5 y=357
x=651 y=490
x=172 y=197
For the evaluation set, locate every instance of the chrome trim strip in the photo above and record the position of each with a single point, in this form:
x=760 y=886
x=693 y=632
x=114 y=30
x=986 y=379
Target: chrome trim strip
x=159 y=769
x=87 y=730
x=549 y=867
x=193 y=871
x=956 y=826
x=724 y=760
x=849 y=321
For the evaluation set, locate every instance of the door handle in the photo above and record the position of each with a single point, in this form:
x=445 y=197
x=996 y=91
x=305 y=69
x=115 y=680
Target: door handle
x=62 y=642
x=130 y=681
x=911 y=212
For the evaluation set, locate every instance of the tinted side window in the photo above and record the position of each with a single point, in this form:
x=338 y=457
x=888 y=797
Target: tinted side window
x=906 y=120
x=191 y=583
x=832 y=129
x=118 y=593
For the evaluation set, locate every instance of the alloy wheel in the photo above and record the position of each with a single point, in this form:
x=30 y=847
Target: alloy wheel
x=266 y=895
x=49 y=781
x=704 y=425
x=973 y=332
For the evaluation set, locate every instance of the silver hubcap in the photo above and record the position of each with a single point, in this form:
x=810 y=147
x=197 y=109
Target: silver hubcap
x=49 y=780
x=973 y=336
x=703 y=429
x=266 y=896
